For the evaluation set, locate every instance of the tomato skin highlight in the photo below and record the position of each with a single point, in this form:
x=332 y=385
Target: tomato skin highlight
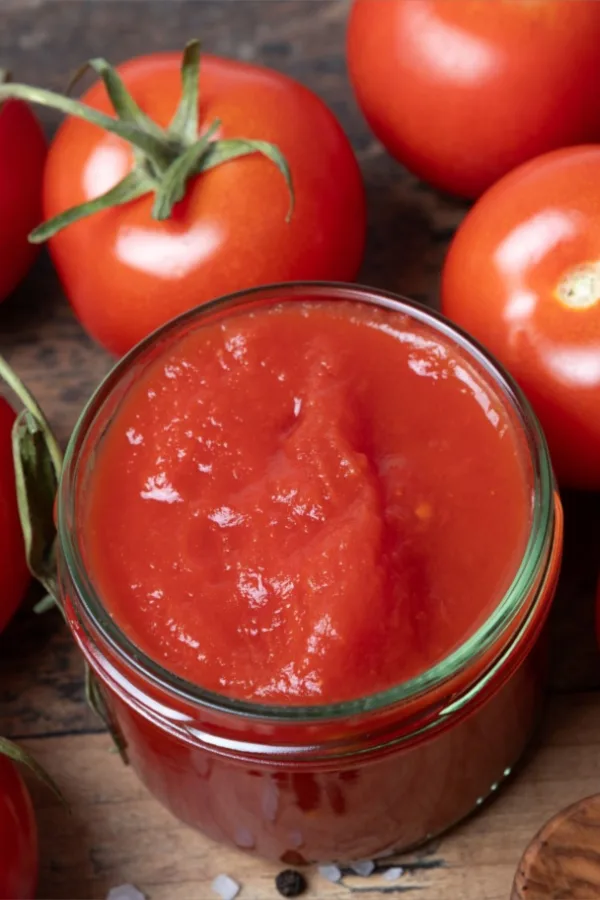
x=506 y=280
x=14 y=574
x=22 y=157
x=125 y=273
x=18 y=836
x=462 y=92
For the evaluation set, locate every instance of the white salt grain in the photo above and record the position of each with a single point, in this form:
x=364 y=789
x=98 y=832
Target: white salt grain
x=331 y=873
x=125 y=892
x=364 y=867
x=392 y=873
x=225 y=887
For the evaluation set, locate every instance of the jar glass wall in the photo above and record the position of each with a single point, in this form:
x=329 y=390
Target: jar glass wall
x=338 y=781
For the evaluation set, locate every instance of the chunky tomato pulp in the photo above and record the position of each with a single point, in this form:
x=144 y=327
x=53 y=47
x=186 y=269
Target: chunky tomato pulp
x=307 y=503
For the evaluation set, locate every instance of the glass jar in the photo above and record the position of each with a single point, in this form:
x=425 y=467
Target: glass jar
x=345 y=781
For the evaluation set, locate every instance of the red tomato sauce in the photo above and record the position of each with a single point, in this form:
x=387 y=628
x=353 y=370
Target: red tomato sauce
x=306 y=504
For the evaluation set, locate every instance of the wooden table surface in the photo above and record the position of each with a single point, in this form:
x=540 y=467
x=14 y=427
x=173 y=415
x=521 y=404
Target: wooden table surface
x=116 y=832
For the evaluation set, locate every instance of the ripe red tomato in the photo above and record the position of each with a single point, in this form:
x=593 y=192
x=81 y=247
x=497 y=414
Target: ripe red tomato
x=523 y=276
x=22 y=155
x=125 y=273
x=18 y=836
x=461 y=92
x=14 y=574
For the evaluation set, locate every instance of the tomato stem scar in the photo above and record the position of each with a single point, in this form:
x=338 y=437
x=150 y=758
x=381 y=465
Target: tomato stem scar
x=580 y=287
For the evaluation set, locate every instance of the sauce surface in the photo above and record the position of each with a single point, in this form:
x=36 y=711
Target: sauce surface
x=306 y=503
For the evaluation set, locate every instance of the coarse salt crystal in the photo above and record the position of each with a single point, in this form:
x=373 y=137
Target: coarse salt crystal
x=125 y=892
x=364 y=867
x=225 y=887
x=331 y=873
x=392 y=873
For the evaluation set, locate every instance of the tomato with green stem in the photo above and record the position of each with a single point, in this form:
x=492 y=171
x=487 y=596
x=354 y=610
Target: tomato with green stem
x=522 y=275
x=461 y=92
x=22 y=157
x=202 y=185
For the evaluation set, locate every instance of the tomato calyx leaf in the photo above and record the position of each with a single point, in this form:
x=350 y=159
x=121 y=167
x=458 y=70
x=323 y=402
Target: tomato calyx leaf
x=44 y=605
x=37 y=475
x=165 y=159
x=123 y=103
x=144 y=142
x=37 y=460
x=95 y=700
x=18 y=755
x=136 y=184
x=172 y=187
x=223 y=151
x=184 y=123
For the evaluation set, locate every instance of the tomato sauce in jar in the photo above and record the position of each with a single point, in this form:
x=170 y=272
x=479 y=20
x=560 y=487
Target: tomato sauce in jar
x=309 y=541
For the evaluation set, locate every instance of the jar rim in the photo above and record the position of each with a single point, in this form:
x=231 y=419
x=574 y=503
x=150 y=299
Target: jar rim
x=472 y=648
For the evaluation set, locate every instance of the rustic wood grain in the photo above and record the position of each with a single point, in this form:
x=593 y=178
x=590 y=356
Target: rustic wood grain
x=117 y=832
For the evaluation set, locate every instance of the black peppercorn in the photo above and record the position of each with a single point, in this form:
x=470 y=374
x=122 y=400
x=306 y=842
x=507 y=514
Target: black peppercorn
x=290 y=883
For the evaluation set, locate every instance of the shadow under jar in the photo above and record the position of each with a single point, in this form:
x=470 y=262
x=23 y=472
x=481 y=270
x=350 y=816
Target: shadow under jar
x=405 y=743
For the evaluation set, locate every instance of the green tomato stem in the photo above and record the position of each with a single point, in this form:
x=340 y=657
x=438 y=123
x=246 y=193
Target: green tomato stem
x=165 y=159
x=133 y=186
x=10 y=377
x=154 y=149
x=185 y=121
